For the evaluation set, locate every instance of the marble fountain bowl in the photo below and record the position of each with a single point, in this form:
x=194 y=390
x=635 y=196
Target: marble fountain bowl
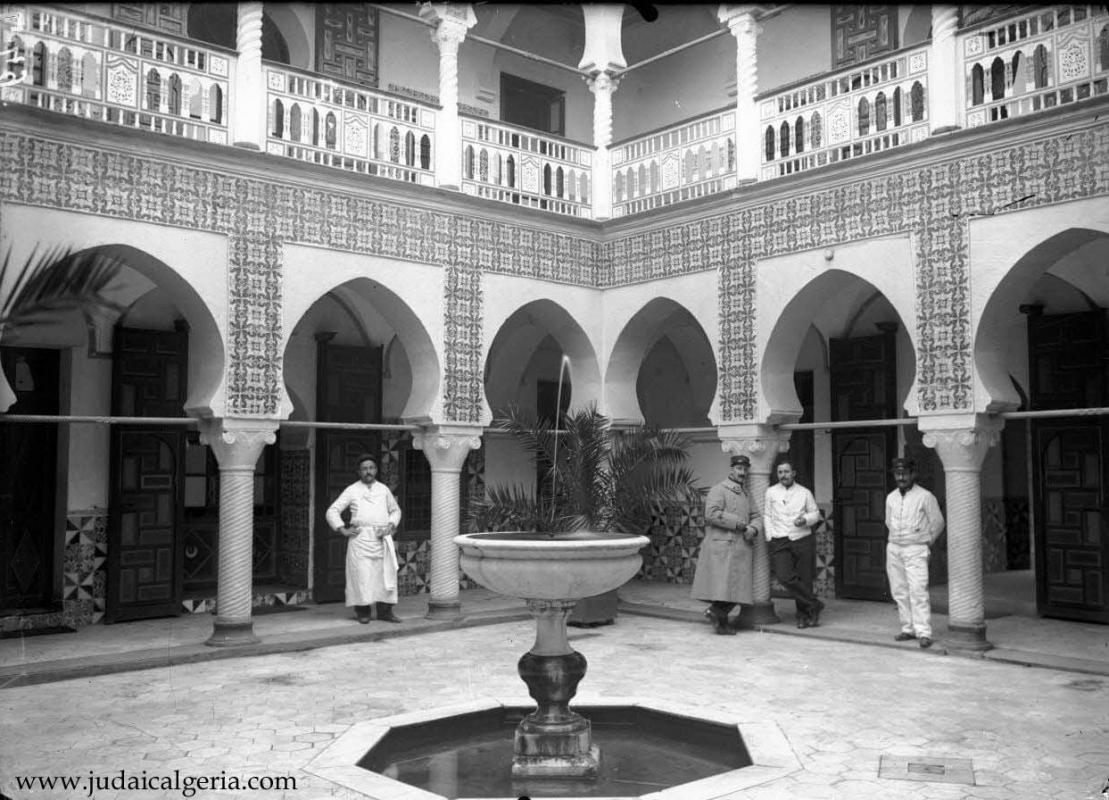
x=542 y=566
x=495 y=748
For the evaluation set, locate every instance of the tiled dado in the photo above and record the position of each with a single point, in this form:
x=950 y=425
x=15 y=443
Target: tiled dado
x=84 y=568
x=677 y=530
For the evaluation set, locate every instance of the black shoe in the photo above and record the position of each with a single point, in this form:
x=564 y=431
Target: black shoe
x=385 y=613
x=925 y=642
x=814 y=614
x=904 y=637
x=720 y=625
x=803 y=621
x=364 y=620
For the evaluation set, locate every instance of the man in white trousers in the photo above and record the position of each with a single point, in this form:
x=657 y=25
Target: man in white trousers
x=914 y=522
x=371 y=570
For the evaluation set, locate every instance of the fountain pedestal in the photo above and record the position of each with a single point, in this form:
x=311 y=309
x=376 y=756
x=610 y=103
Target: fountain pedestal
x=553 y=741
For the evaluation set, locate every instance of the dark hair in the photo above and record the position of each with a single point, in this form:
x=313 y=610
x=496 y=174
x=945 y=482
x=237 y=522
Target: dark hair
x=785 y=461
x=364 y=457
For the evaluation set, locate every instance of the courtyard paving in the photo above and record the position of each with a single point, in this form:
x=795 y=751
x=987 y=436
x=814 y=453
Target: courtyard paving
x=1029 y=733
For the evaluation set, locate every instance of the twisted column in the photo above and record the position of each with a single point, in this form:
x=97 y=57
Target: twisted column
x=943 y=71
x=236 y=444
x=602 y=85
x=741 y=21
x=761 y=450
x=962 y=452
x=445 y=451
x=248 y=118
x=453 y=22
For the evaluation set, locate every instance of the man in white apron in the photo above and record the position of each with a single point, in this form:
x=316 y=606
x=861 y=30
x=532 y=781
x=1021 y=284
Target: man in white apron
x=371 y=574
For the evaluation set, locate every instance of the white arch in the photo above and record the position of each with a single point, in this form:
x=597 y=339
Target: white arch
x=182 y=262
x=798 y=290
x=1009 y=253
x=407 y=296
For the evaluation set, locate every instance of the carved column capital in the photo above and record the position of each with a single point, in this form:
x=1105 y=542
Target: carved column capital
x=740 y=19
x=237 y=443
x=762 y=445
x=454 y=19
x=963 y=449
x=446 y=448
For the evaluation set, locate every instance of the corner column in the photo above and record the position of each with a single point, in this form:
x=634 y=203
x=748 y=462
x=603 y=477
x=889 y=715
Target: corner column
x=446 y=450
x=237 y=444
x=944 y=79
x=761 y=444
x=962 y=451
x=248 y=112
x=603 y=56
x=741 y=21
x=454 y=20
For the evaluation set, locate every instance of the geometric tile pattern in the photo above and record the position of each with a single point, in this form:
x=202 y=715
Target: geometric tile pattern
x=295 y=482
x=84 y=567
x=995 y=557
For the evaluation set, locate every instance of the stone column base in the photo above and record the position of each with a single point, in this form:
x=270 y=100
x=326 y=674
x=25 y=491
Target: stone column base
x=231 y=634
x=757 y=614
x=440 y=610
x=966 y=639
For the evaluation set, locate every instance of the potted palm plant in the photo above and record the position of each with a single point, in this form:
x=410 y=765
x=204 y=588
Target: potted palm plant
x=593 y=478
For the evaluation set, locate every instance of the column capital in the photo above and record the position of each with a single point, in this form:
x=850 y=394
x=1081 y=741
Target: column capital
x=602 y=82
x=446 y=447
x=237 y=442
x=760 y=443
x=961 y=447
x=454 y=19
x=603 y=50
x=741 y=19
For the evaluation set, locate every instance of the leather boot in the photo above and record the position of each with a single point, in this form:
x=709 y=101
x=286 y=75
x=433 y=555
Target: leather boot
x=720 y=624
x=385 y=613
x=363 y=614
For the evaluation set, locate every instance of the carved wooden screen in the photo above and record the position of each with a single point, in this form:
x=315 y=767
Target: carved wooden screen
x=346 y=42
x=859 y=33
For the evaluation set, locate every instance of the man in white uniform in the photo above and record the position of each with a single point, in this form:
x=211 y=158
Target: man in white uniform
x=371 y=557
x=914 y=521
x=789 y=512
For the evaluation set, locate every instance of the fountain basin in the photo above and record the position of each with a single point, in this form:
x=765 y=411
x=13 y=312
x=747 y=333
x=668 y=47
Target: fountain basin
x=540 y=566
x=433 y=753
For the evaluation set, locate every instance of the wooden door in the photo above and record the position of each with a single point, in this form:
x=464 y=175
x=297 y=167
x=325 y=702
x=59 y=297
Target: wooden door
x=864 y=386
x=149 y=375
x=1068 y=369
x=28 y=466
x=348 y=389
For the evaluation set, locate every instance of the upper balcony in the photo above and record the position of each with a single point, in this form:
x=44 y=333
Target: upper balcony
x=69 y=61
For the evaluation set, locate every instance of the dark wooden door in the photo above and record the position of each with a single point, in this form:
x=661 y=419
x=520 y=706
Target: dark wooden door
x=864 y=386
x=28 y=466
x=1068 y=369
x=348 y=389
x=149 y=373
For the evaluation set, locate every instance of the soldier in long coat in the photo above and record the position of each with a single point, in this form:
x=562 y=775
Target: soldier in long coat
x=724 y=576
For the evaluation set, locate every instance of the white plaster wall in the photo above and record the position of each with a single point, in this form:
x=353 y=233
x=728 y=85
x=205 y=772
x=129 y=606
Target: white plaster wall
x=408 y=57
x=997 y=243
x=297 y=23
x=885 y=263
x=90 y=392
x=407 y=297
x=580 y=333
x=794 y=45
x=697 y=293
x=196 y=277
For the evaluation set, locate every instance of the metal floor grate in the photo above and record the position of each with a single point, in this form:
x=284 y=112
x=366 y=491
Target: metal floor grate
x=923 y=768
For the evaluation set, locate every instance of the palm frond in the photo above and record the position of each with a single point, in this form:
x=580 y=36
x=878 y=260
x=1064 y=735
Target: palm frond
x=55 y=280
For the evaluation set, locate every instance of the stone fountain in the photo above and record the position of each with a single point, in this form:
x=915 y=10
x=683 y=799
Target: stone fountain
x=552 y=572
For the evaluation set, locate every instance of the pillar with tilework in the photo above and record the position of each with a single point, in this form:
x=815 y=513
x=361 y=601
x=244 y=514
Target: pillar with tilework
x=446 y=449
x=962 y=443
x=236 y=444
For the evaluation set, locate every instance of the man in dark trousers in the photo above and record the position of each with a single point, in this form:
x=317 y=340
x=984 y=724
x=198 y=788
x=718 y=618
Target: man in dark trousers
x=789 y=512
x=724 y=576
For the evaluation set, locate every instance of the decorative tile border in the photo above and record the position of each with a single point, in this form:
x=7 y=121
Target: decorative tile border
x=84 y=567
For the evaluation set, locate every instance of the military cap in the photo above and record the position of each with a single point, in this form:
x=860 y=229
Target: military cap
x=903 y=463
x=744 y=460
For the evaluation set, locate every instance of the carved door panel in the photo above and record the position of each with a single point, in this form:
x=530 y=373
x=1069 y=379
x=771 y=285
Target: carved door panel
x=149 y=375
x=863 y=378
x=348 y=389
x=27 y=482
x=1069 y=369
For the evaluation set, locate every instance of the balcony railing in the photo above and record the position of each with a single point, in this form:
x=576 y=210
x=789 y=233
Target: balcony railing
x=526 y=168
x=70 y=62
x=1034 y=62
x=845 y=115
x=87 y=67
x=690 y=160
x=317 y=119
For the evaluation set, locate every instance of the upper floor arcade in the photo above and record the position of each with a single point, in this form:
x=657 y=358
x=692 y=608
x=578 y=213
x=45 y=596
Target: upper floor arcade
x=594 y=112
